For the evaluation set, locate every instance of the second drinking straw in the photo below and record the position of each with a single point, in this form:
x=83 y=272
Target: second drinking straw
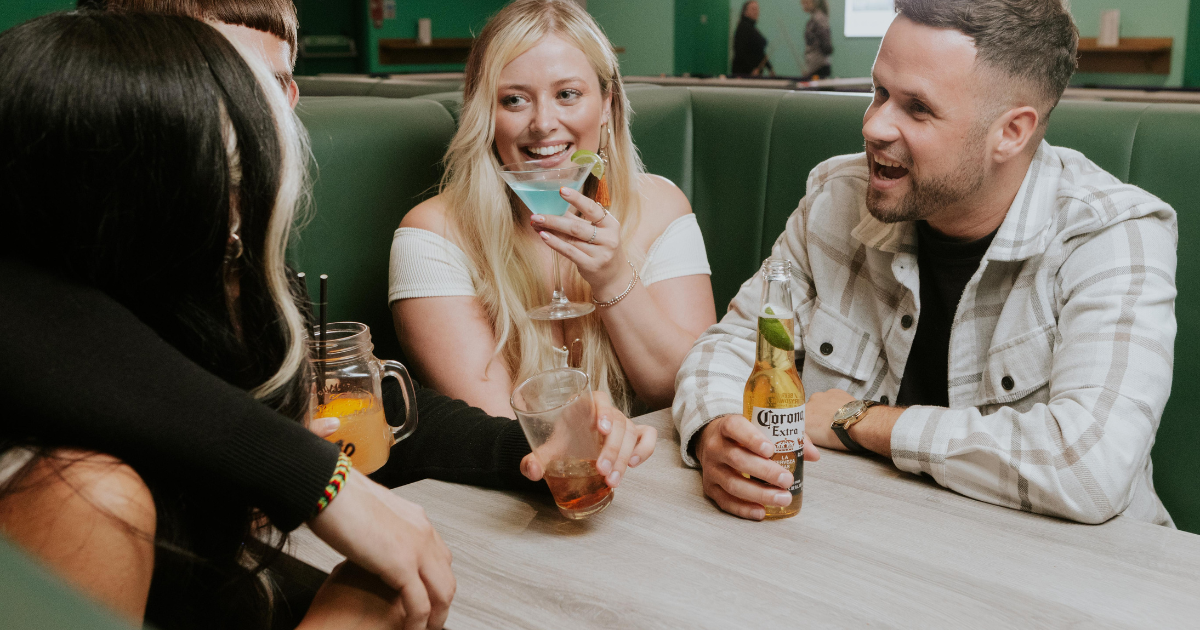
x=322 y=351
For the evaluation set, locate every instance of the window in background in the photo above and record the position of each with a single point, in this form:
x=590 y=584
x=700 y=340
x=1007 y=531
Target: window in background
x=868 y=18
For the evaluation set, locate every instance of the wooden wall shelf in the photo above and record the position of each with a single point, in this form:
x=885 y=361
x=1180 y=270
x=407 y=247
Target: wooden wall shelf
x=1138 y=55
x=409 y=51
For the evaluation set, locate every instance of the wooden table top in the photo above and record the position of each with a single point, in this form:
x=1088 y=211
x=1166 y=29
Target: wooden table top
x=871 y=546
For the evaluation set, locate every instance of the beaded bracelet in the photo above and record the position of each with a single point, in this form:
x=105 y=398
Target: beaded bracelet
x=632 y=281
x=336 y=482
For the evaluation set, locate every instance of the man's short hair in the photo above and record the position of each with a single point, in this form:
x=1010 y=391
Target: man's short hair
x=1033 y=41
x=277 y=17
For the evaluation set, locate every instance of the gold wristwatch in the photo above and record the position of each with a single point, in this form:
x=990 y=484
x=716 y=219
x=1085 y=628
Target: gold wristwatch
x=848 y=416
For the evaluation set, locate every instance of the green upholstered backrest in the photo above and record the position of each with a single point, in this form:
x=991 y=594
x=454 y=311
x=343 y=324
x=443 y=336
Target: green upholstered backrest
x=1156 y=147
x=31 y=598
x=1163 y=160
x=402 y=88
x=451 y=100
x=732 y=138
x=335 y=86
x=809 y=128
x=376 y=159
x=398 y=87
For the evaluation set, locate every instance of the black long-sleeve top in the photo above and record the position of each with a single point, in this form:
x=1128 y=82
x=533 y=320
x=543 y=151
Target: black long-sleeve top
x=749 y=47
x=81 y=370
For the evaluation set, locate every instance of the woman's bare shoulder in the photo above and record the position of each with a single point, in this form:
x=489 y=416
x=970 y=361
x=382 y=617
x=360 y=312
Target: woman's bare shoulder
x=431 y=214
x=662 y=203
x=91 y=518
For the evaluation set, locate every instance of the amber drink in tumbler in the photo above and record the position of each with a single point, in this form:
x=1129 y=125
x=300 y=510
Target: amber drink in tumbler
x=557 y=414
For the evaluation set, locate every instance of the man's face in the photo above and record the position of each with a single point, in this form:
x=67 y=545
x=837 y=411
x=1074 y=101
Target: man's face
x=275 y=52
x=752 y=11
x=925 y=137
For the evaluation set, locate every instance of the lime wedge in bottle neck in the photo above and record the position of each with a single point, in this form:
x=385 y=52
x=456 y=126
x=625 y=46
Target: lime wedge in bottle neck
x=773 y=331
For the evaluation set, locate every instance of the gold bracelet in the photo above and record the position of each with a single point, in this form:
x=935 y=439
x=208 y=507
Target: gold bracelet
x=632 y=281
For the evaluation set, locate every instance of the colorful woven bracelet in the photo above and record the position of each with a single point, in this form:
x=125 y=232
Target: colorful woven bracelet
x=335 y=483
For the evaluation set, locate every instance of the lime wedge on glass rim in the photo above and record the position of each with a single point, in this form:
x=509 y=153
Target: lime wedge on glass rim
x=583 y=156
x=773 y=331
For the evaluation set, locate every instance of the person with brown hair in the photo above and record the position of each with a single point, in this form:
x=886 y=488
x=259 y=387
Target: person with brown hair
x=266 y=26
x=973 y=303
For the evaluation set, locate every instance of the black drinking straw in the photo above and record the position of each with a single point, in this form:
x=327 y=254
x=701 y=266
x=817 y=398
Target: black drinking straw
x=306 y=301
x=322 y=350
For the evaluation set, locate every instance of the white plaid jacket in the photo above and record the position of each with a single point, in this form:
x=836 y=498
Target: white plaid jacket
x=1060 y=352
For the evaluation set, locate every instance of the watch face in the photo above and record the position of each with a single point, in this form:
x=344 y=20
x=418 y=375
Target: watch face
x=849 y=410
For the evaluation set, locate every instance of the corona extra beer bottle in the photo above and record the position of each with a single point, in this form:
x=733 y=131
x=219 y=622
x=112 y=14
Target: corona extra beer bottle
x=774 y=398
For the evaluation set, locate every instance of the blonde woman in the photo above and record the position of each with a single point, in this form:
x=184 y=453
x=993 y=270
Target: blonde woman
x=541 y=83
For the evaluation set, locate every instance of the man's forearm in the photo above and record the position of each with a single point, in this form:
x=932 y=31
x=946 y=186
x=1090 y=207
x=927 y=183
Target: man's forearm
x=874 y=431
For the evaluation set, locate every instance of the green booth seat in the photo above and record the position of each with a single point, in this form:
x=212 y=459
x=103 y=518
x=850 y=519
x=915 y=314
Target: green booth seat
x=1162 y=159
x=742 y=156
x=395 y=87
x=376 y=158
x=336 y=86
x=451 y=100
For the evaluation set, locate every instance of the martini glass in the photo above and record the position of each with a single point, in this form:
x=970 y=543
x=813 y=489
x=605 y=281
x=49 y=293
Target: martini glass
x=538 y=188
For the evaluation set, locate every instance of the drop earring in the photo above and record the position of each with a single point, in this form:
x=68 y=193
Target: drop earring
x=602 y=195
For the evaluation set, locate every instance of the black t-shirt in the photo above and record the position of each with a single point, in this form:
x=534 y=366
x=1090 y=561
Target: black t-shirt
x=945 y=266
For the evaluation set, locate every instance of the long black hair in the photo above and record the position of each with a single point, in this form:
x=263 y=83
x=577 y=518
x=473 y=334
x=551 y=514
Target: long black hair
x=132 y=148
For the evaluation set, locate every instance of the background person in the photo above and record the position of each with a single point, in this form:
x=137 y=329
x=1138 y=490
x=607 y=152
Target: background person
x=1011 y=299
x=818 y=40
x=749 y=45
x=541 y=83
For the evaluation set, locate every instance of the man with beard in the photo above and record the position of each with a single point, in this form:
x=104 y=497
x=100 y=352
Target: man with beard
x=971 y=302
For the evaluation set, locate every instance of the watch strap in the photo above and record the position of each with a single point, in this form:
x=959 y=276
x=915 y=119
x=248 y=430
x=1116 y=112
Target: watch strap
x=848 y=441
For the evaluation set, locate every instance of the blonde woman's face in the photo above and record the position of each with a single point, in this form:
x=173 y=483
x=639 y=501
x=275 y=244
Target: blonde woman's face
x=549 y=105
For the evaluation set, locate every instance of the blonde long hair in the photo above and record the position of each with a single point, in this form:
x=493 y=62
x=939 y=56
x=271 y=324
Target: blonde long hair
x=507 y=278
x=292 y=207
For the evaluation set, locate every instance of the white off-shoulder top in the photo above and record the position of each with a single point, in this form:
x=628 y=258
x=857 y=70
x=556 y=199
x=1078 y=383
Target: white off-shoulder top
x=425 y=264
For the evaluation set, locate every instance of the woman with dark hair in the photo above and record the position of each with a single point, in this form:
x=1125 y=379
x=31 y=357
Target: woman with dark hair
x=749 y=45
x=151 y=174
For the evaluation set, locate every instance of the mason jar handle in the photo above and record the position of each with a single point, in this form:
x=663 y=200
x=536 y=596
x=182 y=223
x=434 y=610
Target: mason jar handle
x=397 y=371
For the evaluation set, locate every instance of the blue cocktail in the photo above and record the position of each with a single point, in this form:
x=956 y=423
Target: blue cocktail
x=543 y=197
x=539 y=189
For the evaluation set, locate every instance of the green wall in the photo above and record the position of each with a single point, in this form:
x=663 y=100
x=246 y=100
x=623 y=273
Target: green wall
x=14 y=12
x=644 y=28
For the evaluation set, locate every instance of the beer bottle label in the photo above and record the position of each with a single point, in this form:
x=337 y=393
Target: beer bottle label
x=784 y=427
